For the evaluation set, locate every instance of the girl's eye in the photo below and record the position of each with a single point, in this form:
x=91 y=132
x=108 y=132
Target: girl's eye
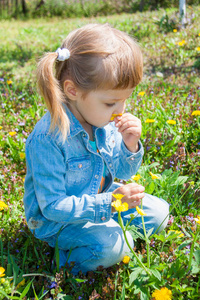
x=110 y=104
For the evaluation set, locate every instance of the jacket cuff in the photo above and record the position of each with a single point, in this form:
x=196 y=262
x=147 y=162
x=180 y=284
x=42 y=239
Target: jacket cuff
x=133 y=156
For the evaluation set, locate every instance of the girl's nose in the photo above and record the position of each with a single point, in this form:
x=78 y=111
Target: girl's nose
x=120 y=109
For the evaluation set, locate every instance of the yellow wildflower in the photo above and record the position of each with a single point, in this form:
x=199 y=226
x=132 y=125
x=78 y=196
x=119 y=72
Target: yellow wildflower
x=126 y=259
x=171 y=122
x=136 y=177
x=114 y=115
x=154 y=176
x=174 y=30
x=197 y=219
x=183 y=42
x=141 y=93
x=2 y=272
x=3 y=205
x=196 y=113
x=140 y=211
x=199 y=34
x=162 y=294
x=198 y=49
x=177 y=232
x=9 y=82
x=118 y=205
x=149 y=121
x=22 y=155
x=2 y=280
x=21 y=283
x=163 y=47
x=118 y=196
x=1 y=127
x=12 y=133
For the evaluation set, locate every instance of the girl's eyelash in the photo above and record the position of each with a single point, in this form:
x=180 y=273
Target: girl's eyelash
x=110 y=104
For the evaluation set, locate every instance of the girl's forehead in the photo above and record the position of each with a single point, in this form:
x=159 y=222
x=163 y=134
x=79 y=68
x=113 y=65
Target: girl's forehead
x=114 y=94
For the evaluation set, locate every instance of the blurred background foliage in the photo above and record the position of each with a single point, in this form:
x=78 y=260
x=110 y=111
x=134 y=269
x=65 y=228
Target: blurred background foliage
x=80 y=8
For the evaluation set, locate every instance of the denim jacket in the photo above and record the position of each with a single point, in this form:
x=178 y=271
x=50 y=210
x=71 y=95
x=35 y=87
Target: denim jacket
x=62 y=180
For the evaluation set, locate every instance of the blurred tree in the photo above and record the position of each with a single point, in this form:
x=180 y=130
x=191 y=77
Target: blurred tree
x=182 y=11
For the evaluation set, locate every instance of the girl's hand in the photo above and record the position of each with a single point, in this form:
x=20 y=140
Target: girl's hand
x=130 y=128
x=133 y=193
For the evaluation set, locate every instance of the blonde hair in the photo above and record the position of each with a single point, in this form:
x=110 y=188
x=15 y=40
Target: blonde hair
x=101 y=57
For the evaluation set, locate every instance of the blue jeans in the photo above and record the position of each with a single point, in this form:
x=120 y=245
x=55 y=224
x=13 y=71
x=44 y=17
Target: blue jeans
x=92 y=245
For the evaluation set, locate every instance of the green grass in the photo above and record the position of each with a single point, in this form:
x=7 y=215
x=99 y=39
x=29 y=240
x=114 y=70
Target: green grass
x=172 y=91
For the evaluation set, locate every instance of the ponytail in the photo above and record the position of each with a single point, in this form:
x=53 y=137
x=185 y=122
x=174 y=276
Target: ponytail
x=54 y=97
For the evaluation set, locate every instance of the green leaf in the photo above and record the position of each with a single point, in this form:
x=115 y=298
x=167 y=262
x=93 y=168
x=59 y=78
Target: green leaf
x=156 y=273
x=184 y=244
x=63 y=297
x=25 y=291
x=150 y=188
x=134 y=274
x=181 y=180
x=197 y=256
x=160 y=237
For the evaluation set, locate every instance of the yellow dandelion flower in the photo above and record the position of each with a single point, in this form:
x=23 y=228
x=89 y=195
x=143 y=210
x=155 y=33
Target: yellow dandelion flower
x=2 y=272
x=197 y=219
x=154 y=176
x=163 y=47
x=174 y=30
x=119 y=206
x=199 y=34
x=22 y=155
x=196 y=113
x=140 y=211
x=141 y=93
x=149 y=121
x=9 y=82
x=126 y=259
x=12 y=133
x=171 y=122
x=1 y=127
x=181 y=43
x=136 y=177
x=198 y=48
x=114 y=115
x=162 y=294
x=180 y=234
x=3 y=205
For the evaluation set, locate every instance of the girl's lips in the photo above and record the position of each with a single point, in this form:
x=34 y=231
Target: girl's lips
x=114 y=115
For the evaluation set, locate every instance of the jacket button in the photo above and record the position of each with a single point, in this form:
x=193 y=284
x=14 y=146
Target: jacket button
x=80 y=166
x=103 y=218
x=110 y=165
x=132 y=158
x=96 y=176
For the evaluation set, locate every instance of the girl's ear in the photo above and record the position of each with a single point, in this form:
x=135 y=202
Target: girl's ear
x=70 y=90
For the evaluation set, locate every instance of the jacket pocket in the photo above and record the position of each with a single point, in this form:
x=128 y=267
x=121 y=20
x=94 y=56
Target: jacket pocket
x=78 y=169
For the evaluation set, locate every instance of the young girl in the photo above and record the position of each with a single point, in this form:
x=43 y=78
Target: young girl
x=76 y=151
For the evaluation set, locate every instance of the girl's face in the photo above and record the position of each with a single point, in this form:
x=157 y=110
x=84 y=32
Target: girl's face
x=97 y=107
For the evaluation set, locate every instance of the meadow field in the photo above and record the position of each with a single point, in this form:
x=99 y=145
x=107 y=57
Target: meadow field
x=162 y=266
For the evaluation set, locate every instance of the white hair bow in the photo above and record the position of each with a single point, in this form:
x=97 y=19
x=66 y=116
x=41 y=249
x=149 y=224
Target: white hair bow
x=63 y=54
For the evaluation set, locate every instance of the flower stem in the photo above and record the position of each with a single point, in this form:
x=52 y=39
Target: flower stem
x=127 y=242
x=146 y=239
x=192 y=248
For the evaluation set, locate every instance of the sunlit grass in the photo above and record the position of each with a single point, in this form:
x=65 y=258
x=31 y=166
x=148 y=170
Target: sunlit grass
x=170 y=91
